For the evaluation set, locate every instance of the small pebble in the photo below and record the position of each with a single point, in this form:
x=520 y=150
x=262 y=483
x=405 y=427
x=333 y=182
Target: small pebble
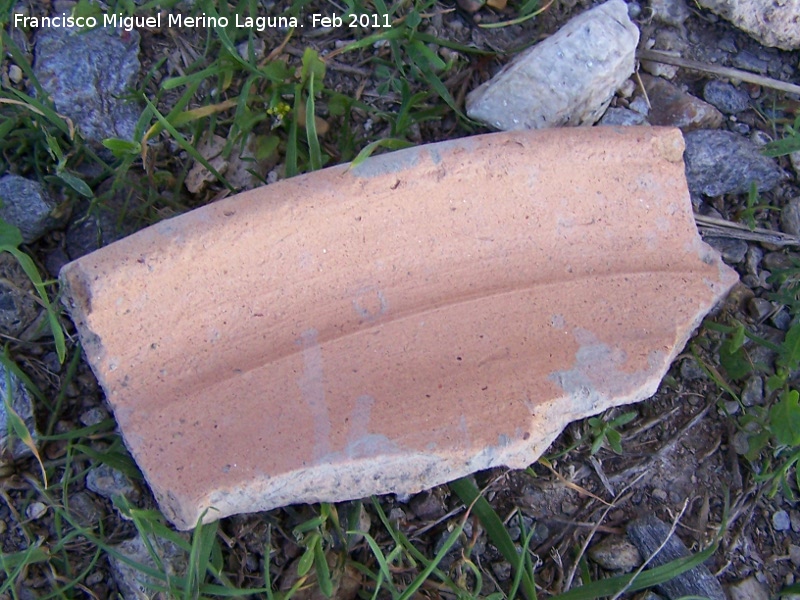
x=759 y=308
x=794 y=555
x=691 y=371
x=616 y=553
x=731 y=407
x=753 y=259
x=639 y=105
x=781 y=319
x=502 y=570
x=732 y=251
x=659 y=494
x=748 y=589
x=750 y=62
x=15 y=74
x=794 y=519
x=36 y=510
x=753 y=392
x=780 y=521
x=790 y=217
x=726 y=97
x=93 y=416
x=777 y=261
x=740 y=443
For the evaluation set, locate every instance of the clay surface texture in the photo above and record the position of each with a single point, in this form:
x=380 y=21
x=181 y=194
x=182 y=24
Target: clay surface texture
x=389 y=327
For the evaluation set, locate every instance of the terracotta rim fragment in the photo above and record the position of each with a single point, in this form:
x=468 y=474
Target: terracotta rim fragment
x=429 y=313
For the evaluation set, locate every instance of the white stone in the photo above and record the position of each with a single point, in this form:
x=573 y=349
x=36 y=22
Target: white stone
x=568 y=79
x=775 y=23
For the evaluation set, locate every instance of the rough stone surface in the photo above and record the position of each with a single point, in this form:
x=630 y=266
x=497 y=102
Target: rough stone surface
x=726 y=97
x=568 y=79
x=616 y=553
x=132 y=583
x=671 y=106
x=671 y=12
x=773 y=23
x=748 y=589
x=622 y=116
x=732 y=250
x=721 y=162
x=21 y=402
x=326 y=337
x=88 y=75
x=790 y=217
x=26 y=205
x=109 y=482
x=648 y=533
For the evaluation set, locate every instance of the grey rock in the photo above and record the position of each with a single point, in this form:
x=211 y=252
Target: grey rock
x=36 y=510
x=753 y=259
x=88 y=75
x=427 y=506
x=132 y=583
x=640 y=105
x=691 y=371
x=18 y=309
x=721 y=162
x=790 y=217
x=748 y=589
x=616 y=553
x=648 y=533
x=781 y=319
x=780 y=521
x=794 y=519
x=726 y=97
x=93 y=416
x=753 y=392
x=794 y=554
x=108 y=482
x=22 y=403
x=568 y=79
x=670 y=106
x=84 y=509
x=750 y=62
x=727 y=44
x=671 y=12
x=731 y=407
x=733 y=251
x=502 y=570
x=622 y=116
x=759 y=308
x=776 y=261
x=26 y=205
x=771 y=23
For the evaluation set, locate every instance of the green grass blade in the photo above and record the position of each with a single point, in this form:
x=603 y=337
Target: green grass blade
x=497 y=532
x=291 y=142
x=390 y=143
x=431 y=566
x=184 y=143
x=314 y=153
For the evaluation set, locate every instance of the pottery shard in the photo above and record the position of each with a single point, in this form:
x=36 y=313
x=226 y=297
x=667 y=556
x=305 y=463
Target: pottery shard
x=568 y=79
x=396 y=325
x=774 y=23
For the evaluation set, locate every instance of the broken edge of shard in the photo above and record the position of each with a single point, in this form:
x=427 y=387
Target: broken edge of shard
x=386 y=328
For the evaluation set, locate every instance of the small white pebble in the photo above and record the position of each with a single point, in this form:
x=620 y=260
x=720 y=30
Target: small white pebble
x=36 y=510
x=15 y=73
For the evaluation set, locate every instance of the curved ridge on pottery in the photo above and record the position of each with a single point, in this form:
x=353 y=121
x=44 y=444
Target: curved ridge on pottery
x=390 y=327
